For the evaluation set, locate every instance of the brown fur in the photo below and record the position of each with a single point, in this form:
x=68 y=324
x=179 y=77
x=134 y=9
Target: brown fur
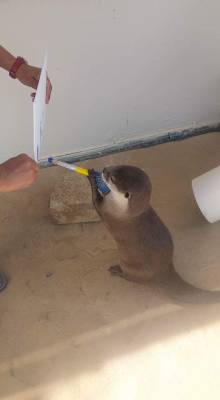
x=144 y=242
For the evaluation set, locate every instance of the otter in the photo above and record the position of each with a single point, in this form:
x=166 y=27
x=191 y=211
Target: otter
x=145 y=244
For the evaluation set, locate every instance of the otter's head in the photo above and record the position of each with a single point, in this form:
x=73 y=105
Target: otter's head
x=130 y=191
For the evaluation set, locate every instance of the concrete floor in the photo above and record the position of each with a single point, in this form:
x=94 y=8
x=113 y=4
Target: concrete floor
x=70 y=331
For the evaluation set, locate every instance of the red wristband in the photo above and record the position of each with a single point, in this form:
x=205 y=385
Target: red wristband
x=18 y=62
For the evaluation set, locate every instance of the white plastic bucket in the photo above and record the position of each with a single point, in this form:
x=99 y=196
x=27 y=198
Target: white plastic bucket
x=206 y=189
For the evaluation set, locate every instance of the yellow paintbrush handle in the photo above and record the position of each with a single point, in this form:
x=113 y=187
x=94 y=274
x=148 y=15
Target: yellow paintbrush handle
x=82 y=171
x=71 y=167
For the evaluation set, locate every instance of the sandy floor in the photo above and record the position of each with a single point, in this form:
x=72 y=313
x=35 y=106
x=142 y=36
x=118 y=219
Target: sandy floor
x=70 y=331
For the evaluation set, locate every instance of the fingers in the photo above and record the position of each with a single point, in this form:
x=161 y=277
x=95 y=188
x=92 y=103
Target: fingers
x=33 y=96
x=34 y=85
x=18 y=173
x=48 y=90
x=35 y=81
x=31 y=168
x=27 y=161
x=30 y=76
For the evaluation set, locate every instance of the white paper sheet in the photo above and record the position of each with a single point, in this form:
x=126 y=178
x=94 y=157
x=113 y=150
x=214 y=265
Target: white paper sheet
x=39 y=110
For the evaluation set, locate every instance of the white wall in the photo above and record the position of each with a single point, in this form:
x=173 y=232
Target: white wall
x=120 y=69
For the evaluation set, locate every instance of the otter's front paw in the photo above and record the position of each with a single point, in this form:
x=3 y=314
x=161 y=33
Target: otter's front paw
x=91 y=178
x=96 y=196
x=116 y=270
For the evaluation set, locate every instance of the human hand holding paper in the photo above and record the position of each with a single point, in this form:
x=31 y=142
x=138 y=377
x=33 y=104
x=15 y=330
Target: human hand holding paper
x=30 y=76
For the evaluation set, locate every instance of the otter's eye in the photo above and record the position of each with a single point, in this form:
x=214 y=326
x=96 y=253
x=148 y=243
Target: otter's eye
x=127 y=195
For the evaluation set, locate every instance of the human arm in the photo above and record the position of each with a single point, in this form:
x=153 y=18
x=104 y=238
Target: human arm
x=6 y=59
x=27 y=74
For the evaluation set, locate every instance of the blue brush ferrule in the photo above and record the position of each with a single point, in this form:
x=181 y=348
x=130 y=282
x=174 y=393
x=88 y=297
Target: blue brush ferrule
x=101 y=185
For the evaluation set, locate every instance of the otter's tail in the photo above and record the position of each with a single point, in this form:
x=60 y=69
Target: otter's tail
x=172 y=285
